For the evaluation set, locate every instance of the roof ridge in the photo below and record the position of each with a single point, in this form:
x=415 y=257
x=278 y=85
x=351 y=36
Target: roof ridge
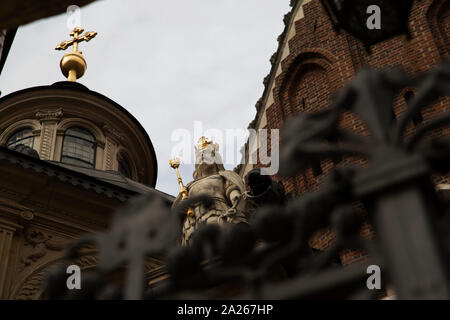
x=275 y=60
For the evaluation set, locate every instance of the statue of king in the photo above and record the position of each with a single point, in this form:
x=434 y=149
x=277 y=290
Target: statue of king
x=225 y=187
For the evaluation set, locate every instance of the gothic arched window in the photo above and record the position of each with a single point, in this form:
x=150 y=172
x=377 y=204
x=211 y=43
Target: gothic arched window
x=22 y=136
x=78 y=147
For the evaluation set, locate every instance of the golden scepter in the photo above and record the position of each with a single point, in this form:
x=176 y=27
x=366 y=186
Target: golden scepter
x=175 y=164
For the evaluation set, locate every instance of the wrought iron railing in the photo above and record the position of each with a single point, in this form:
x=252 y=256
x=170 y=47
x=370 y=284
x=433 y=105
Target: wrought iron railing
x=270 y=258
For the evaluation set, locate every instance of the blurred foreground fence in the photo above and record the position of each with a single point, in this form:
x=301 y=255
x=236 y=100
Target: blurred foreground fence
x=270 y=258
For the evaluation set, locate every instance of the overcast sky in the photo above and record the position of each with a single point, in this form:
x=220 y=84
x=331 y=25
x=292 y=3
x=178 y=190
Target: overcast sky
x=169 y=63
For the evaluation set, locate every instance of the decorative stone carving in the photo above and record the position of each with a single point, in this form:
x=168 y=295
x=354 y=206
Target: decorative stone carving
x=38 y=243
x=109 y=146
x=113 y=133
x=32 y=287
x=27 y=214
x=49 y=115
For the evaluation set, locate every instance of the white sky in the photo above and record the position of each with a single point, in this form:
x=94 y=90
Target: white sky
x=169 y=63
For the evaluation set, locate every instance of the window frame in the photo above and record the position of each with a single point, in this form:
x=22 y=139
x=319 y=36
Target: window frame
x=123 y=159
x=94 y=147
x=8 y=145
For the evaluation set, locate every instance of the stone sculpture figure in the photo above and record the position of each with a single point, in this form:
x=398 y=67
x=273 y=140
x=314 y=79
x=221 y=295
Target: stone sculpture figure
x=225 y=187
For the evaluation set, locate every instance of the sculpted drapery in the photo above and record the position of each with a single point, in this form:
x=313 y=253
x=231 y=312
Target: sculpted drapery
x=225 y=187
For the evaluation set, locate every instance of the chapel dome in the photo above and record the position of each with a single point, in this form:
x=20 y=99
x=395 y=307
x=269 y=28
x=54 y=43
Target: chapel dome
x=68 y=123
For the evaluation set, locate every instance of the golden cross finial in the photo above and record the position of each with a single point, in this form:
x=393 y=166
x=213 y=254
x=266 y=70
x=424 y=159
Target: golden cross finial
x=73 y=64
x=76 y=39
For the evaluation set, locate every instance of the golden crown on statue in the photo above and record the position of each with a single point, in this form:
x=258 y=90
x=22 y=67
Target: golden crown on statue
x=203 y=143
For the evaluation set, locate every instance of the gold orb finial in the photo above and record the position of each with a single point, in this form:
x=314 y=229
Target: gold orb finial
x=73 y=65
x=175 y=163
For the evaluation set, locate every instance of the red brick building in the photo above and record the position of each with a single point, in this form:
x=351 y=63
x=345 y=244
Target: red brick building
x=313 y=62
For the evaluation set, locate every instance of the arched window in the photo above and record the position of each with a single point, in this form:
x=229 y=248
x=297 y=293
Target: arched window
x=125 y=168
x=23 y=136
x=78 y=147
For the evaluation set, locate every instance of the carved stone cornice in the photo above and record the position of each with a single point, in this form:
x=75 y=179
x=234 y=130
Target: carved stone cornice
x=6 y=224
x=49 y=115
x=112 y=133
x=16 y=211
x=88 y=183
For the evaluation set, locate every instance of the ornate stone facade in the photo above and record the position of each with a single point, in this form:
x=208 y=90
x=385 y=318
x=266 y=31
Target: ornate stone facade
x=46 y=204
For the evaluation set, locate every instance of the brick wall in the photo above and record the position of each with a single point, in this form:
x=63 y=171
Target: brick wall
x=320 y=62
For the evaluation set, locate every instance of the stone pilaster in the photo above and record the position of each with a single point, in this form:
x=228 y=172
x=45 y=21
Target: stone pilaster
x=110 y=150
x=6 y=236
x=49 y=120
x=113 y=140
